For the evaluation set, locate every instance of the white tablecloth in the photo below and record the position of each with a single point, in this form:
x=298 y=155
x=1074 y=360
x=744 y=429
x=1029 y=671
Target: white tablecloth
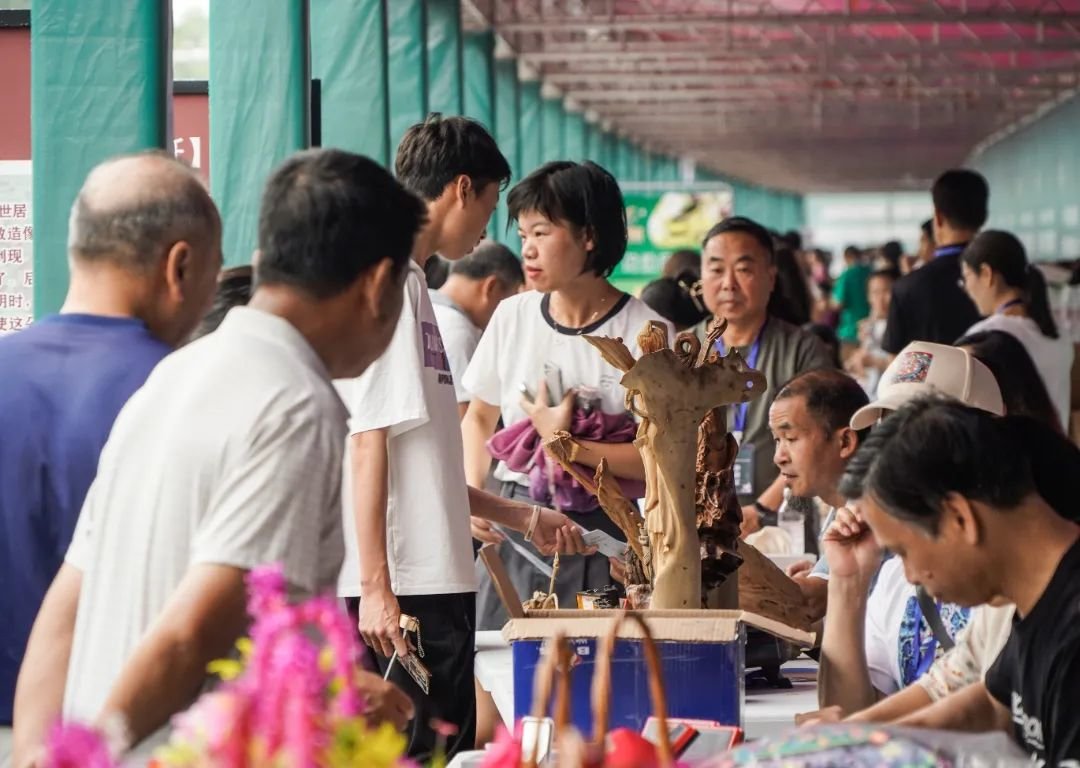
x=765 y=711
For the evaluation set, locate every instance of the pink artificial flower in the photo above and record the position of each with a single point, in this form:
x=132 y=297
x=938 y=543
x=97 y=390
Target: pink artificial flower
x=505 y=751
x=71 y=745
x=443 y=728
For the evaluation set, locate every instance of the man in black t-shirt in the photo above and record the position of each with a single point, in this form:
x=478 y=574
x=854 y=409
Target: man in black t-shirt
x=1036 y=675
x=930 y=304
x=953 y=492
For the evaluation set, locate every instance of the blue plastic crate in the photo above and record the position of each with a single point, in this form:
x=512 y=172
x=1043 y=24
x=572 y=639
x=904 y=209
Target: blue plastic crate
x=703 y=678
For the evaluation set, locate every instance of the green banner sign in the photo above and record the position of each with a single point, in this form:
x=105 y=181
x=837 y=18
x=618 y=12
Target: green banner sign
x=662 y=222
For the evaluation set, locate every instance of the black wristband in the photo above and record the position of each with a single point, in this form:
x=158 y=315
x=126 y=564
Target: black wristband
x=766 y=516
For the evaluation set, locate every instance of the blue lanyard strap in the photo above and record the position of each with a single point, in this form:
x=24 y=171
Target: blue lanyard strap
x=751 y=361
x=1001 y=310
x=949 y=250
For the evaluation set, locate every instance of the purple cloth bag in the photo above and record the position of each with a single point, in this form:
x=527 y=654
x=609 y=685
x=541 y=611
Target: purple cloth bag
x=521 y=448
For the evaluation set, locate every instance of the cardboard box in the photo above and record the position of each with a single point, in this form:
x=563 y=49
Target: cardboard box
x=702 y=654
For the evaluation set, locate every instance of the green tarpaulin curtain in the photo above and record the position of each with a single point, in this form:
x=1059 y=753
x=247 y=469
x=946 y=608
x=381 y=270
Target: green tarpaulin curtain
x=100 y=86
x=479 y=71
x=259 y=107
x=529 y=128
x=445 y=57
x=407 y=66
x=508 y=100
x=348 y=57
x=552 y=118
x=575 y=137
x=592 y=141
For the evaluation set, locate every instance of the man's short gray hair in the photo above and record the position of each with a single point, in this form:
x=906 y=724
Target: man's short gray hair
x=173 y=205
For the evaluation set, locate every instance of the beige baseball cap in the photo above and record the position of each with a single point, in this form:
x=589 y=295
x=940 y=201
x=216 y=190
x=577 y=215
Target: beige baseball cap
x=924 y=368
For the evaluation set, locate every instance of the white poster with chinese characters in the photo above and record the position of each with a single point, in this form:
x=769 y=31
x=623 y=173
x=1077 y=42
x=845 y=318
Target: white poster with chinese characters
x=16 y=246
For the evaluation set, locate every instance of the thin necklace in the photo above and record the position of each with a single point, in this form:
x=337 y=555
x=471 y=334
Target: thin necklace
x=589 y=322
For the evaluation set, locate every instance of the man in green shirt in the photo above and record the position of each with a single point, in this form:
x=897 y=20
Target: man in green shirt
x=849 y=295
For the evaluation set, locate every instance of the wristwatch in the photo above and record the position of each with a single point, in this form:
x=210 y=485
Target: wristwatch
x=766 y=516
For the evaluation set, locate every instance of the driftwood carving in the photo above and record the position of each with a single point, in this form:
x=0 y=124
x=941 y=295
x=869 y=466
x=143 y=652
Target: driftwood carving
x=672 y=391
x=623 y=512
x=718 y=511
x=766 y=590
x=685 y=550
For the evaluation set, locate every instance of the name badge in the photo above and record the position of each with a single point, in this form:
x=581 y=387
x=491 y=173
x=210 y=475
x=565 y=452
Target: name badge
x=744 y=470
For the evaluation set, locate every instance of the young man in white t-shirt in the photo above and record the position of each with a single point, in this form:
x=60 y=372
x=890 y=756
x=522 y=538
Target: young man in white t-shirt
x=465 y=303
x=411 y=551
x=228 y=458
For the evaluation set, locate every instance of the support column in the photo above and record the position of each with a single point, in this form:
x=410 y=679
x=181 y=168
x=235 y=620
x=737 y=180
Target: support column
x=407 y=68
x=348 y=57
x=445 y=57
x=260 y=107
x=575 y=137
x=508 y=137
x=532 y=155
x=610 y=154
x=552 y=118
x=479 y=76
x=592 y=141
x=100 y=85
x=623 y=161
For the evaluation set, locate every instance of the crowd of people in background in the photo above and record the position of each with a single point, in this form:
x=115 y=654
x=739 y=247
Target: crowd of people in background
x=874 y=301
x=366 y=404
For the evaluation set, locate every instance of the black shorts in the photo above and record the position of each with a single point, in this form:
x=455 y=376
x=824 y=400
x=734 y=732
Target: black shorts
x=448 y=635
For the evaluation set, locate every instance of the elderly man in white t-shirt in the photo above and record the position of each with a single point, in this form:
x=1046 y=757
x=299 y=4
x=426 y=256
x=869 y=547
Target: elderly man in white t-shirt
x=465 y=303
x=228 y=458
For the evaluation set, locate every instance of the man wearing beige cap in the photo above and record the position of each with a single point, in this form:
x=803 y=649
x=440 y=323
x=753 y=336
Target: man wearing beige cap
x=924 y=368
x=880 y=633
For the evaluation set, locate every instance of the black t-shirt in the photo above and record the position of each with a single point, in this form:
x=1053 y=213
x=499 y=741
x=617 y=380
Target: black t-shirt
x=1037 y=675
x=930 y=305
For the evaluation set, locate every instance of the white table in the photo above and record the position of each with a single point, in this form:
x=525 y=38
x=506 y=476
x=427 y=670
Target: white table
x=494 y=670
x=766 y=712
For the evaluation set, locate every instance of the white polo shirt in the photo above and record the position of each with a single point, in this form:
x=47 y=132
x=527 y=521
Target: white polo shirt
x=230 y=454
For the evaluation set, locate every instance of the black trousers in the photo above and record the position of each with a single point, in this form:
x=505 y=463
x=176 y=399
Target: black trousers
x=448 y=635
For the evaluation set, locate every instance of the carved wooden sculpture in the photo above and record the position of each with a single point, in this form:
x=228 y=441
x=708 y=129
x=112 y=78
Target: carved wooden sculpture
x=718 y=512
x=766 y=590
x=622 y=511
x=672 y=391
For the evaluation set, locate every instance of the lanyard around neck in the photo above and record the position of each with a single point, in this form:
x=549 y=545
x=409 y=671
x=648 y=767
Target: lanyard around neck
x=1013 y=303
x=751 y=362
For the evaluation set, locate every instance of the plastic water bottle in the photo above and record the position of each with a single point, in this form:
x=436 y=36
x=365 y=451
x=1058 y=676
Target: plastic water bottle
x=791 y=520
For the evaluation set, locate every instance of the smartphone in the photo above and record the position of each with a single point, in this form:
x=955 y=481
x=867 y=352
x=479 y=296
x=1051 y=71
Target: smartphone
x=553 y=379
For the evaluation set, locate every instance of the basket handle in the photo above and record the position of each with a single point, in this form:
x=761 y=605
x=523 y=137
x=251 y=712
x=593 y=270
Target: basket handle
x=553 y=672
x=601 y=692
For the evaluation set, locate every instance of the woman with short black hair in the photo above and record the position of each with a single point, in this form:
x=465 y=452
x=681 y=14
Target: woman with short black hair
x=533 y=370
